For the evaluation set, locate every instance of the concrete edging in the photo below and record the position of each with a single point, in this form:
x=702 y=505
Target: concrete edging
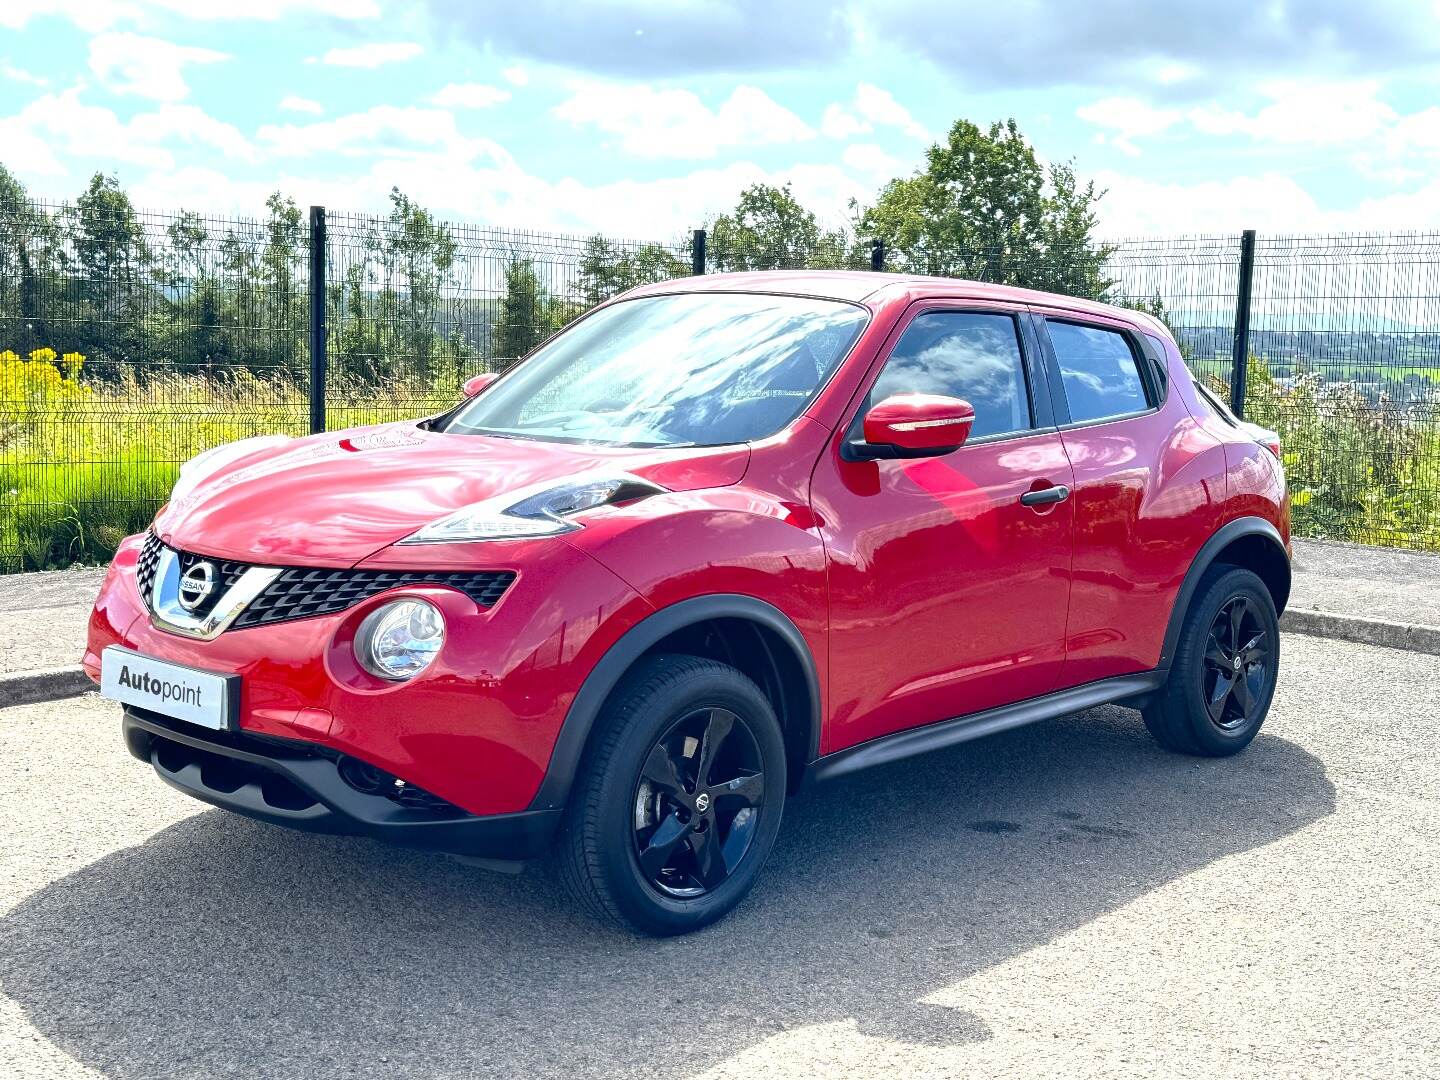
x=1407 y=636
x=42 y=684
x=54 y=684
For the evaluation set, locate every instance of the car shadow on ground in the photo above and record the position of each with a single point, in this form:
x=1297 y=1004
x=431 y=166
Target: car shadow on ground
x=223 y=946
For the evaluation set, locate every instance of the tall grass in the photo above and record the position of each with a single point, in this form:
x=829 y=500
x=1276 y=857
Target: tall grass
x=84 y=464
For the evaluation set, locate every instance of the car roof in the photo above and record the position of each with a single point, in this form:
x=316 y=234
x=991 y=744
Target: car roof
x=868 y=287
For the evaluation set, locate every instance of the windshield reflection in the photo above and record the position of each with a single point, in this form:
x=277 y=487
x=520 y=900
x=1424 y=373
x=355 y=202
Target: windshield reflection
x=685 y=369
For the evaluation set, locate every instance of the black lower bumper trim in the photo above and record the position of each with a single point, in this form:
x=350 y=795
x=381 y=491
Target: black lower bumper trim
x=268 y=780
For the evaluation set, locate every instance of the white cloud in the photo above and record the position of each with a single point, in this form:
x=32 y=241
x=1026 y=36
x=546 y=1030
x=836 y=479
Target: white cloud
x=1127 y=118
x=11 y=73
x=292 y=103
x=469 y=96
x=269 y=10
x=95 y=15
x=372 y=55
x=838 y=122
x=145 y=66
x=1309 y=114
x=677 y=124
x=392 y=130
x=516 y=76
x=1418 y=133
x=1313 y=114
x=90 y=15
x=1272 y=202
x=61 y=125
x=190 y=124
x=871 y=161
x=871 y=107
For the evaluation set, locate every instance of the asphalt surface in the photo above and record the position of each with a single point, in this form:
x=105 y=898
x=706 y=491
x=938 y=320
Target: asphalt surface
x=1065 y=899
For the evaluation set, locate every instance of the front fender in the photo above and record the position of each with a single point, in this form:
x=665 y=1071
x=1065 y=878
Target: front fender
x=585 y=708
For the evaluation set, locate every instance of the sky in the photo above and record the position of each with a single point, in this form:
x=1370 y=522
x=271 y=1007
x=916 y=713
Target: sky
x=644 y=120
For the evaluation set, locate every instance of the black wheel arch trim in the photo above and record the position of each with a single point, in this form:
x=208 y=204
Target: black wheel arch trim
x=1222 y=538
x=580 y=718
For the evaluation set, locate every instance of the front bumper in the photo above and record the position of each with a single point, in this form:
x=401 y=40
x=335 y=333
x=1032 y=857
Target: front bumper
x=302 y=786
x=477 y=728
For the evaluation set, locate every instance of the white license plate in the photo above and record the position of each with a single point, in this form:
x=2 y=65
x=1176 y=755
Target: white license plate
x=174 y=690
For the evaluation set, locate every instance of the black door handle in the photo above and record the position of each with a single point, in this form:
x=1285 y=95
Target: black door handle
x=1058 y=493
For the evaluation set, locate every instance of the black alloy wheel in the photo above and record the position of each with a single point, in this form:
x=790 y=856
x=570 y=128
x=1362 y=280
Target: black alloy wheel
x=679 y=798
x=1225 y=668
x=1237 y=664
x=697 y=802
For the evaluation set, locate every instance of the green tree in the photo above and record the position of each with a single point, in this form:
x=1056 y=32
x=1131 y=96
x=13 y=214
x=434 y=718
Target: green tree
x=283 y=291
x=770 y=230
x=520 y=324
x=108 y=294
x=1154 y=305
x=417 y=254
x=28 y=248
x=984 y=207
x=607 y=269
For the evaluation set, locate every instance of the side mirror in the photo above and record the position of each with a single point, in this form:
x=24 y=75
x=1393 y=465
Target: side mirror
x=476 y=383
x=914 y=426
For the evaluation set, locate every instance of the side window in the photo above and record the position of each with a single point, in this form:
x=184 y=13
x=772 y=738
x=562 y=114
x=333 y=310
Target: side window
x=1098 y=371
x=965 y=355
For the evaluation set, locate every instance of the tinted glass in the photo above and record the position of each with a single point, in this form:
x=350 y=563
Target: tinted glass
x=1098 y=371
x=1158 y=365
x=691 y=369
x=964 y=355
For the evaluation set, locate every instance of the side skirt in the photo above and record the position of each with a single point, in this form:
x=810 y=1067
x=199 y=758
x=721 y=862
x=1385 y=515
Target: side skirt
x=1123 y=689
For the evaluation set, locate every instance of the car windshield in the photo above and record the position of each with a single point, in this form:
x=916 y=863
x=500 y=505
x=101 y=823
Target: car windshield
x=685 y=369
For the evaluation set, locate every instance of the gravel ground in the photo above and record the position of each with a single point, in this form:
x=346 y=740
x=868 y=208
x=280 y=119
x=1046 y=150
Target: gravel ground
x=43 y=617
x=1060 y=900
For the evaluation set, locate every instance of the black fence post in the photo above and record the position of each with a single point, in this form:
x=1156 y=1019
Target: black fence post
x=877 y=255
x=697 y=252
x=1240 y=364
x=317 y=319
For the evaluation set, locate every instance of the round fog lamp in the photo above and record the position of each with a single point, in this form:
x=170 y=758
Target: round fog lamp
x=398 y=640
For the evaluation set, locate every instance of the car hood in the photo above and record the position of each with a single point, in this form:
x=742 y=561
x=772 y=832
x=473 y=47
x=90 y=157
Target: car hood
x=337 y=498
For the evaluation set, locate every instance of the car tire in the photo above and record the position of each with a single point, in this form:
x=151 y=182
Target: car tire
x=640 y=845
x=1222 y=677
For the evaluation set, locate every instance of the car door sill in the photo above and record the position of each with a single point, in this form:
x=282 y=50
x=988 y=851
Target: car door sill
x=921 y=740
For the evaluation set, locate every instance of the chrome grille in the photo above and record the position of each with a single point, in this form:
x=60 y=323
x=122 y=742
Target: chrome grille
x=146 y=565
x=303 y=592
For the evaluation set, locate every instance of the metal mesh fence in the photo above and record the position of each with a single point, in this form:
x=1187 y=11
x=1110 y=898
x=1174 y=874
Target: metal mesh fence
x=131 y=341
x=415 y=307
x=1345 y=341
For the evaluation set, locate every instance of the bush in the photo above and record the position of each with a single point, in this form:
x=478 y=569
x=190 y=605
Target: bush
x=1357 y=470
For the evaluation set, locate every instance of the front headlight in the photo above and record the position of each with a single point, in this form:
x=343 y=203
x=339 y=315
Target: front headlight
x=399 y=640
x=541 y=510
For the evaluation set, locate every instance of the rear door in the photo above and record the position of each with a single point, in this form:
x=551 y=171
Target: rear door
x=1143 y=497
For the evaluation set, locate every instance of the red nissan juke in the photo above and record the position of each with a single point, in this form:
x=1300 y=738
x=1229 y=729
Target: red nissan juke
x=721 y=537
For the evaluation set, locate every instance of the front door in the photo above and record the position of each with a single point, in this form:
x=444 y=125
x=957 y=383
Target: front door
x=948 y=595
